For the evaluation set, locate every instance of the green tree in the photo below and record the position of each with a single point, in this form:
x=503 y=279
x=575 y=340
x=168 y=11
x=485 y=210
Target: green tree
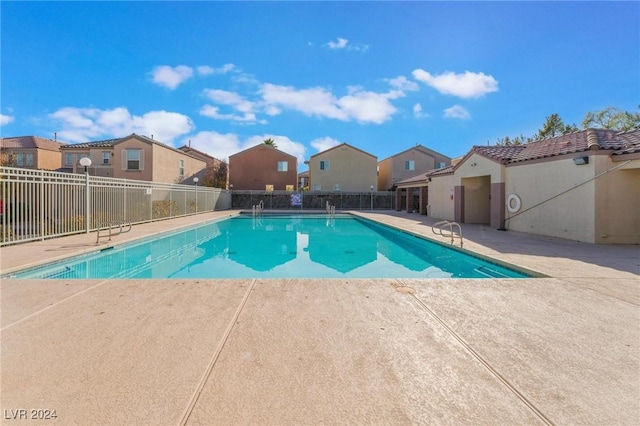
x=216 y=176
x=554 y=126
x=612 y=118
x=270 y=142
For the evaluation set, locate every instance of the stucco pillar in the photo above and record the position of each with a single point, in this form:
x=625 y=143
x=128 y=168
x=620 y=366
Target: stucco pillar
x=409 y=200
x=424 y=199
x=497 y=205
x=458 y=204
x=398 y=199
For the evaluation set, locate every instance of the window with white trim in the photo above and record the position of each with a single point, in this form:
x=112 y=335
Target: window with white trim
x=441 y=165
x=29 y=161
x=20 y=159
x=68 y=159
x=106 y=157
x=324 y=164
x=410 y=165
x=181 y=167
x=133 y=159
x=283 y=166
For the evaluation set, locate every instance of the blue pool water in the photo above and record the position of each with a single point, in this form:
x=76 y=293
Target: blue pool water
x=278 y=247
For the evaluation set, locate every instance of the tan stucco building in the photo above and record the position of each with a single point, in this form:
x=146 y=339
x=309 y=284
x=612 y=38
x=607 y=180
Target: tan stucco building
x=343 y=168
x=408 y=163
x=31 y=152
x=133 y=157
x=263 y=167
x=584 y=186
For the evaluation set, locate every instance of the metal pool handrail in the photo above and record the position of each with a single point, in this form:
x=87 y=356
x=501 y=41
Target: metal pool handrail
x=104 y=226
x=445 y=223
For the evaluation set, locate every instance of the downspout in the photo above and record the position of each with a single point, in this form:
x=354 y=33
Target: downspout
x=504 y=222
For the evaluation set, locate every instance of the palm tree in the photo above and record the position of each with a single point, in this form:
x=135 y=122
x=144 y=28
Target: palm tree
x=270 y=142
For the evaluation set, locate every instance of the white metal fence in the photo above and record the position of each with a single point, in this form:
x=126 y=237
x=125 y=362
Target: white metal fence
x=38 y=204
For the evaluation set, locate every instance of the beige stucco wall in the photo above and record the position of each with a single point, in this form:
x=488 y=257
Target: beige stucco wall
x=118 y=157
x=617 y=208
x=385 y=174
x=47 y=160
x=166 y=165
x=392 y=169
x=570 y=216
x=441 y=205
x=352 y=169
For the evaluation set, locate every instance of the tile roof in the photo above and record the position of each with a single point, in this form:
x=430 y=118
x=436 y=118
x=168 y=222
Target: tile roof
x=583 y=140
x=107 y=143
x=30 y=142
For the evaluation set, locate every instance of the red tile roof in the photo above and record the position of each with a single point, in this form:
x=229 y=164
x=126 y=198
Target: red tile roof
x=584 y=140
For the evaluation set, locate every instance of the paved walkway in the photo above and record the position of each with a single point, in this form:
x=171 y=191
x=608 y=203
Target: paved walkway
x=558 y=350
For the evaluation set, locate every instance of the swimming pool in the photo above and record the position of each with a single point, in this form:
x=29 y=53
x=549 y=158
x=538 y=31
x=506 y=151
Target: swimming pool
x=303 y=246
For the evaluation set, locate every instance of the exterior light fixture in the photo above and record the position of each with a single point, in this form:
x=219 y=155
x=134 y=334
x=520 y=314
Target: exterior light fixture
x=85 y=162
x=579 y=161
x=195 y=180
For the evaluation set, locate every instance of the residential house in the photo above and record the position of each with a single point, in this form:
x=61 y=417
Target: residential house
x=343 y=168
x=31 y=152
x=583 y=186
x=303 y=179
x=263 y=167
x=213 y=168
x=133 y=157
x=408 y=163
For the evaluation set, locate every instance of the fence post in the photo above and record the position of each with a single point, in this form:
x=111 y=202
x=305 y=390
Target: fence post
x=87 y=201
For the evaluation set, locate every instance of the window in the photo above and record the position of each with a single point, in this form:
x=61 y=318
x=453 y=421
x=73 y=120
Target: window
x=133 y=159
x=337 y=187
x=441 y=165
x=283 y=166
x=289 y=188
x=105 y=157
x=30 y=159
x=410 y=165
x=316 y=187
x=68 y=159
x=20 y=159
x=324 y=165
x=269 y=188
x=181 y=166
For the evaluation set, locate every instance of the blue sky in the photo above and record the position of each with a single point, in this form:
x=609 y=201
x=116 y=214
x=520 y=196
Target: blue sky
x=381 y=76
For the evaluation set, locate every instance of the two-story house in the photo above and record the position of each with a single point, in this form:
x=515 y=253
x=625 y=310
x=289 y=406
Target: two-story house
x=30 y=152
x=408 y=163
x=133 y=157
x=263 y=167
x=216 y=172
x=343 y=168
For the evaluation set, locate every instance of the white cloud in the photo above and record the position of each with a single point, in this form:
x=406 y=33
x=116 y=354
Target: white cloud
x=86 y=124
x=467 y=85
x=207 y=70
x=340 y=44
x=5 y=119
x=402 y=83
x=169 y=77
x=322 y=144
x=417 y=112
x=457 y=111
x=230 y=98
x=214 y=112
x=368 y=107
x=359 y=105
x=343 y=43
x=222 y=146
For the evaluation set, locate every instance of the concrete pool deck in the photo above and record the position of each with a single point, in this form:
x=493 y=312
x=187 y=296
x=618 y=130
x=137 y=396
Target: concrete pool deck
x=558 y=350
